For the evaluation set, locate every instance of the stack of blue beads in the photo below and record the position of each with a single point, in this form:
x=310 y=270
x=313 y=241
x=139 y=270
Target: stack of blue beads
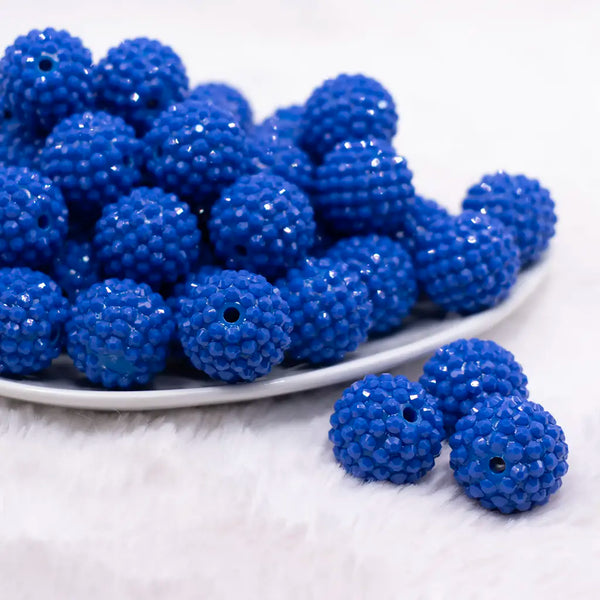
x=173 y=223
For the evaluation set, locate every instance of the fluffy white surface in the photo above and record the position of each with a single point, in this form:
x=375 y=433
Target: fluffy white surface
x=246 y=501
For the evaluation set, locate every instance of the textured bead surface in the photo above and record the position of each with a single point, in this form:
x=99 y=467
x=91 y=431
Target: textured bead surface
x=138 y=79
x=460 y=374
x=262 y=223
x=330 y=309
x=46 y=76
x=362 y=188
x=195 y=150
x=386 y=428
x=149 y=236
x=75 y=267
x=284 y=123
x=119 y=333
x=235 y=327
x=387 y=271
x=33 y=218
x=509 y=454
x=19 y=147
x=33 y=313
x=95 y=158
x=281 y=157
x=522 y=204
x=228 y=98
x=349 y=107
x=468 y=263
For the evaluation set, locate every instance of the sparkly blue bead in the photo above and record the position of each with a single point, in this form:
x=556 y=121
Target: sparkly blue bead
x=193 y=280
x=284 y=123
x=226 y=97
x=362 y=188
x=138 y=79
x=262 y=223
x=19 y=147
x=522 y=204
x=195 y=150
x=95 y=158
x=119 y=333
x=149 y=236
x=33 y=313
x=387 y=271
x=33 y=218
x=464 y=372
x=509 y=454
x=467 y=263
x=330 y=309
x=281 y=157
x=46 y=76
x=235 y=327
x=419 y=214
x=386 y=428
x=75 y=267
x=349 y=107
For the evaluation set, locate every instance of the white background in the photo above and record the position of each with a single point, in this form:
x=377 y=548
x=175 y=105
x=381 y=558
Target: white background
x=246 y=500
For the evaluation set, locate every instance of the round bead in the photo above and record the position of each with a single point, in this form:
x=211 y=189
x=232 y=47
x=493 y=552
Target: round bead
x=19 y=147
x=226 y=97
x=119 y=333
x=33 y=314
x=330 y=309
x=235 y=327
x=508 y=454
x=33 y=218
x=362 y=187
x=262 y=223
x=138 y=79
x=386 y=428
x=387 y=271
x=95 y=158
x=349 y=107
x=195 y=150
x=284 y=123
x=467 y=263
x=75 y=267
x=149 y=236
x=522 y=204
x=281 y=157
x=46 y=76
x=460 y=374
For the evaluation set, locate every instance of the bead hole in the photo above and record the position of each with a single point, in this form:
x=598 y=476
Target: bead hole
x=152 y=103
x=231 y=314
x=497 y=464
x=241 y=250
x=43 y=221
x=7 y=113
x=409 y=414
x=45 y=65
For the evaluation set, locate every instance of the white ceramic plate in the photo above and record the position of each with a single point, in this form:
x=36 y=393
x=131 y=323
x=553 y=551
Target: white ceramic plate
x=63 y=385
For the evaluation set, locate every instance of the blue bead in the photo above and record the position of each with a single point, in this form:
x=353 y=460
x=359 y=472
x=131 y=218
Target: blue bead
x=466 y=263
x=19 y=147
x=496 y=469
x=226 y=97
x=387 y=271
x=522 y=204
x=406 y=430
x=349 y=107
x=195 y=150
x=138 y=79
x=119 y=333
x=284 y=123
x=95 y=158
x=33 y=218
x=235 y=326
x=262 y=223
x=330 y=309
x=46 y=76
x=149 y=236
x=33 y=313
x=75 y=267
x=362 y=188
